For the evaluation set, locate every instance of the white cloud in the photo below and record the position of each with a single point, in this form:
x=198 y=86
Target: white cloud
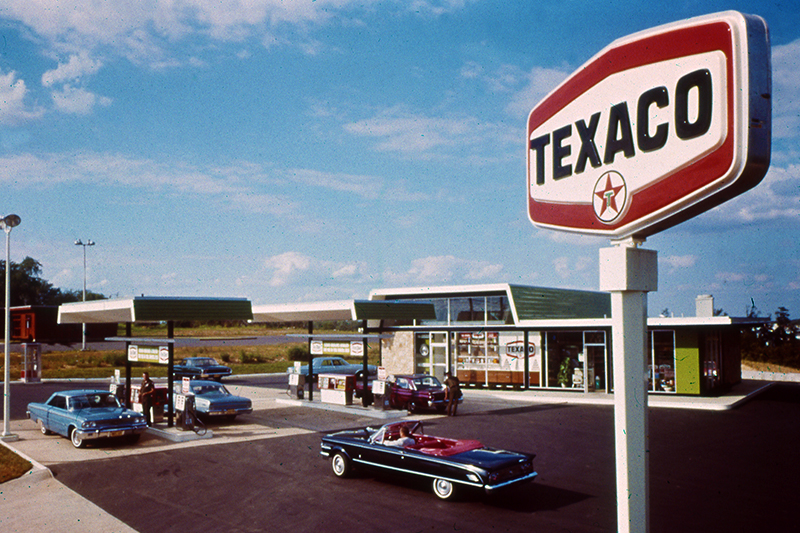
x=541 y=81
x=776 y=197
x=236 y=185
x=730 y=277
x=78 y=101
x=786 y=90
x=365 y=186
x=569 y=267
x=13 y=108
x=444 y=269
x=298 y=269
x=676 y=262
x=144 y=30
x=435 y=7
x=347 y=271
x=286 y=266
x=251 y=187
x=471 y=70
x=420 y=136
x=77 y=67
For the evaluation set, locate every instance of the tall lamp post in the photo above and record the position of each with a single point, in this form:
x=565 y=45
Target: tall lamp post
x=79 y=242
x=8 y=222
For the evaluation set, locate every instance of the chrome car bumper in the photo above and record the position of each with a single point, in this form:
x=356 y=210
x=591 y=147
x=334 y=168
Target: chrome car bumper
x=529 y=477
x=89 y=433
x=223 y=412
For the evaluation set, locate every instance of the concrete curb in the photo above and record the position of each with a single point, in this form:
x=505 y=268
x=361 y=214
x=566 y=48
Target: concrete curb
x=38 y=471
x=770 y=376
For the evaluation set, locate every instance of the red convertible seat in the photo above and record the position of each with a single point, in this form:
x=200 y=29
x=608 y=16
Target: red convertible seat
x=443 y=447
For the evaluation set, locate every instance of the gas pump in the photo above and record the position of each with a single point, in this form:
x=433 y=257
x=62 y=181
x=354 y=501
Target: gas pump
x=297 y=384
x=184 y=405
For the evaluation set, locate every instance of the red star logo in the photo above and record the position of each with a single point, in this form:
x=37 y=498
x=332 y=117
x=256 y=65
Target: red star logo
x=608 y=195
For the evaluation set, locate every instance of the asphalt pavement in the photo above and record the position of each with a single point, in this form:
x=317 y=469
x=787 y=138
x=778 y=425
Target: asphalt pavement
x=93 y=498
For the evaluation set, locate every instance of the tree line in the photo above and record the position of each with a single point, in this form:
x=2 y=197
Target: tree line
x=774 y=341
x=29 y=288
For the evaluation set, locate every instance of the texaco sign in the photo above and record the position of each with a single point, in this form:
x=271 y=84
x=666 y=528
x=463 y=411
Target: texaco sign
x=655 y=129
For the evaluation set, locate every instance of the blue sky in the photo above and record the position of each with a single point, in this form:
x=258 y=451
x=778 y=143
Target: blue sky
x=312 y=150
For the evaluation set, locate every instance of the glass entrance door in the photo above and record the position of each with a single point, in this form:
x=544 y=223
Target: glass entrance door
x=433 y=353
x=594 y=345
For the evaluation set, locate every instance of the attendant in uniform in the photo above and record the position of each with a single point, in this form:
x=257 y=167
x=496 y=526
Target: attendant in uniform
x=453 y=389
x=146 y=392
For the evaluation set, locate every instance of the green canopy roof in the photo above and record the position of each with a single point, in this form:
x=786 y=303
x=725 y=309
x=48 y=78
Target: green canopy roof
x=155 y=309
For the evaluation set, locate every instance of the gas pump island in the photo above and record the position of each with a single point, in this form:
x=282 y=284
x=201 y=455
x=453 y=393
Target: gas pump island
x=657 y=128
x=153 y=309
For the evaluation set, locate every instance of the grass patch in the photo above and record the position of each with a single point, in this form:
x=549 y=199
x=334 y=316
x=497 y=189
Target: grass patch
x=207 y=331
x=12 y=465
x=261 y=359
x=761 y=366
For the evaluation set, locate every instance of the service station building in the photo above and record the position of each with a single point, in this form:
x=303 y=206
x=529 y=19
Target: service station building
x=515 y=336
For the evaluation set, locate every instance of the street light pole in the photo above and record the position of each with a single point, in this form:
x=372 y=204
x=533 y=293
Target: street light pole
x=8 y=222
x=79 y=242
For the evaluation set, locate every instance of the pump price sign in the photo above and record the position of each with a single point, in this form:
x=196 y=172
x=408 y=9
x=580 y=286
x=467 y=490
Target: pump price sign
x=148 y=354
x=658 y=127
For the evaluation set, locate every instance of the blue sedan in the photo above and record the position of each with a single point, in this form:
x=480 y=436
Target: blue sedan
x=333 y=365
x=201 y=368
x=213 y=399
x=83 y=415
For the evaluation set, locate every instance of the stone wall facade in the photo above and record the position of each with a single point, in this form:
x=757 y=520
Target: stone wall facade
x=398 y=353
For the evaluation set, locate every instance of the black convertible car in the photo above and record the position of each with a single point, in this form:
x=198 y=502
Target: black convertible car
x=450 y=464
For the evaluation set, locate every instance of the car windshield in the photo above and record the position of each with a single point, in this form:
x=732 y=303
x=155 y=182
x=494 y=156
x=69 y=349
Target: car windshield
x=427 y=382
x=202 y=361
x=391 y=431
x=209 y=388
x=93 y=400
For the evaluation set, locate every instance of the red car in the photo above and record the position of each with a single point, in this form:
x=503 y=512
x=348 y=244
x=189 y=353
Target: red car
x=412 y=392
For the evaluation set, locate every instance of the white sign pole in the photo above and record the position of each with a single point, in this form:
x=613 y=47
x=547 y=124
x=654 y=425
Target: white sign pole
x=629 y=273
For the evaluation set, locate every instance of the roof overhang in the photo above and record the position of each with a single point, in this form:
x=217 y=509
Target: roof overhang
x=704 y=321
x=445 y=290
x=154 y=309
x=343 y=310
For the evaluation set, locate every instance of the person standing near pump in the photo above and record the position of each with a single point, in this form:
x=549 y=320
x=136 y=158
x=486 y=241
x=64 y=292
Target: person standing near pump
x=146 y=391
x=453 y=389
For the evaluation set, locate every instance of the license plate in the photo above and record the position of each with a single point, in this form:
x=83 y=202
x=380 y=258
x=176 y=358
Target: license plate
x=116 y=433
x=230 y=412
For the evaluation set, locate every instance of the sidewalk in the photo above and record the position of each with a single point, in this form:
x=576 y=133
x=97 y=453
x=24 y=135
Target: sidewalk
x=38 y=502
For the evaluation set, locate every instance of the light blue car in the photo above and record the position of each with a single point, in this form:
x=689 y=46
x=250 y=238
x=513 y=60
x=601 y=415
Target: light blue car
x=213 y=399
x=333 y=365
x=82 y=415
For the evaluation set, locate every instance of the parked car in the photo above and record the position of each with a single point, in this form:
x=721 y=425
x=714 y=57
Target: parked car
x=413 y=392
x=200 y=368
x=451 y=465
x=213 y=399
x=83 y=415
x=333 y=365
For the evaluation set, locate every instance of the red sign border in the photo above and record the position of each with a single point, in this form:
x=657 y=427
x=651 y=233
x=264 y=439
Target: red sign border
x=714 y=35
